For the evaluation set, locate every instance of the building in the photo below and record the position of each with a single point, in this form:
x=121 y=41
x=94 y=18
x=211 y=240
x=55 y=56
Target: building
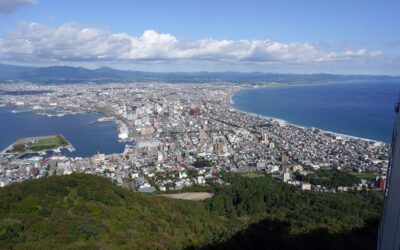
x=150 y=189
x=286 y=177
x=217 y=148
x=160 y=156
x=195 y=111
x=202 y=133
x=147 y=130
x=264 y=137
x=389 y=229
x=381 y=183
x=285 y=159
x=123 y=132
x=97 y=159
x=305 y=186
x=297 y=168
x=261 y=165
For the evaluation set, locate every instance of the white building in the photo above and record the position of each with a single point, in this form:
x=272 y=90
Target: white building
x=305 y=186
x=286 y=177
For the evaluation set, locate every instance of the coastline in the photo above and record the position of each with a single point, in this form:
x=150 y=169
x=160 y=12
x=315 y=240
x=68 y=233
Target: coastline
x=82 y=149
x=283 y=122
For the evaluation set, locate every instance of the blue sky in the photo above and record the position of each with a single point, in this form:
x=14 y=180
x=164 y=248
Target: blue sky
x=274 y=36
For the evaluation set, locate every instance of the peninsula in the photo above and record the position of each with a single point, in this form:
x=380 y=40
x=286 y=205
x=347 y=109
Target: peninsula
x=38 y=144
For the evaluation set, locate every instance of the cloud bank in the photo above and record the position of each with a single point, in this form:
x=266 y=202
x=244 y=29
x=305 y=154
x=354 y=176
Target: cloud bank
x=71 y=42
x=9 y=6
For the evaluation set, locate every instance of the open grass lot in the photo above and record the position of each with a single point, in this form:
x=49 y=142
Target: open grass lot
x=39 y=144
x=48 y=143
x=193 y=196
x=253 y=175
x=365 y=175
x=368 y=176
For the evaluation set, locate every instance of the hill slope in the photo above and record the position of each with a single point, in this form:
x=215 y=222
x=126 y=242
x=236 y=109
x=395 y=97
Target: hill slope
x=89 y=212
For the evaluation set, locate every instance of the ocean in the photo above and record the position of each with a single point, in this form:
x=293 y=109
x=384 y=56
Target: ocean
x=87 y=137
x=361 y=109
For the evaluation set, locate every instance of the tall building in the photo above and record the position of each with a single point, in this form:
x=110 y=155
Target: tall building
x=381 y=183
x=196 y=111
x=389 y=229
x=264 y=137
x=217 y=147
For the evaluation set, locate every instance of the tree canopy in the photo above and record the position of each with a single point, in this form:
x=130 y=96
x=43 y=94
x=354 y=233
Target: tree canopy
x=85 y=211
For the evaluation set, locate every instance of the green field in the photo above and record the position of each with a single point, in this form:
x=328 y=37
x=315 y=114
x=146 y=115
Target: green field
x=253 y=175
x=330 y=178
x=47 y=143
x=368 y=176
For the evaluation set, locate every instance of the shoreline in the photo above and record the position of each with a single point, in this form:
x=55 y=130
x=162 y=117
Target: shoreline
x=76 y=153
x=283 y=122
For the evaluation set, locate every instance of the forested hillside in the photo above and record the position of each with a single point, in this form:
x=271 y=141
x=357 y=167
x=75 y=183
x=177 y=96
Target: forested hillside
x=89 y=212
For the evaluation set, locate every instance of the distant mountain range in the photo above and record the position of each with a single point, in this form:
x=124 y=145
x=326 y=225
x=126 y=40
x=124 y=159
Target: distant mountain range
x=68 y=75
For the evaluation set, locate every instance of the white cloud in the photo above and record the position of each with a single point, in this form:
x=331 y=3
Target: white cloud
x=8 y=6
x=73 y=43
x=362 y=53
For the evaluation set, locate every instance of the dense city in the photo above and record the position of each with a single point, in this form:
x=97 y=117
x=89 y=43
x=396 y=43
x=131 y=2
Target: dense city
x=181 y=135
